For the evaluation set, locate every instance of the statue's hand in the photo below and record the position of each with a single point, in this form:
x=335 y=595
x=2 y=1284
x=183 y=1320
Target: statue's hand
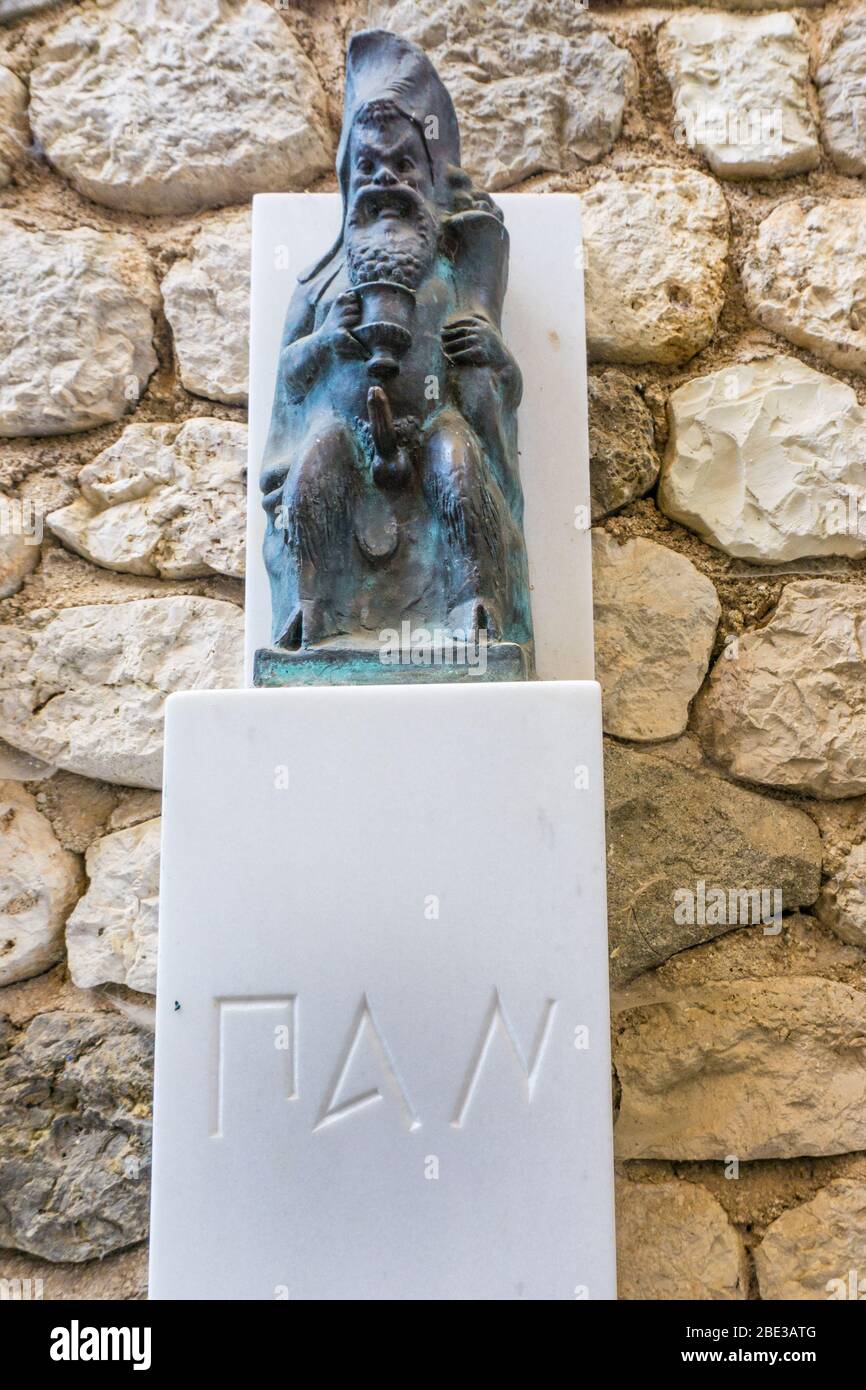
x=473 y=341
x=336 y=330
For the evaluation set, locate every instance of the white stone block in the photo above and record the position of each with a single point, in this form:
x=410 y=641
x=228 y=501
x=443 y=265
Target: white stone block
x=543 y=323
x=382 y=1009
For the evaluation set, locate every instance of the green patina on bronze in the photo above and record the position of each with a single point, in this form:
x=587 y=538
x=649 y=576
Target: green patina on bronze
x=390 y=478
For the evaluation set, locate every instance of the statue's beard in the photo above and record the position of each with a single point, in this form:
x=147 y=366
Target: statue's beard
x=389 y=248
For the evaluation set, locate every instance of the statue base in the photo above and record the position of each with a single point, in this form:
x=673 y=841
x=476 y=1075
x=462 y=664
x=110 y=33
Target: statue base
x=382 y=1062
x=340 y=664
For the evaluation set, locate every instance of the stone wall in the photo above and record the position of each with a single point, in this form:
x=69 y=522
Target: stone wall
x=719 y=151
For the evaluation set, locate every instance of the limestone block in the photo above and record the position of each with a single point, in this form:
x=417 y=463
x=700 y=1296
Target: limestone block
x=818 y=1249
x=767 y=461
x=84 y=687
x=167 y=108
x=674 y=1241
x=789 y=708
x=76 y=328
x=770 y=1068
x=740 y=87
x=111 y=935
x=39 y=884
x=671 y=828
x=655 y=246
x=75 y=1098
x=655 y=624
x=805 y=277
x=167 y=500
x=207 y=303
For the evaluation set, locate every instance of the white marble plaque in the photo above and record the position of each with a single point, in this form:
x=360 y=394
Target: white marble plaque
x=543 y=324
x=382 y=1042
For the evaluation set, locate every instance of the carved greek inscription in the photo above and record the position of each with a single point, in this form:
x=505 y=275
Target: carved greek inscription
x=257 y=1029
x=497 y=1021
x=365 y=1032
x=263 y=1030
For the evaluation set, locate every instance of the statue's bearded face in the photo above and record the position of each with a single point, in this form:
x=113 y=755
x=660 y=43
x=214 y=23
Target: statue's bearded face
x=391 y=225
